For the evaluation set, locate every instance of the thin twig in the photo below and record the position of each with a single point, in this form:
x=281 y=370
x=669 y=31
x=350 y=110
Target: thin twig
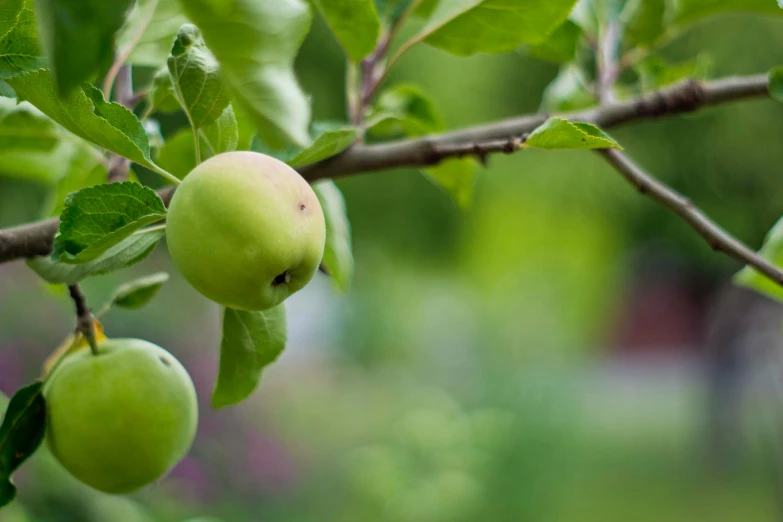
x=125 y=52
x=400 y=22
x=124 y=87
x=374 y=71
x=85 y=322
x=119 y=167
x=35 y=239
x=381 y=77
x=353 y=93
x=606 y=60
x=137 y=97
x=715 y=236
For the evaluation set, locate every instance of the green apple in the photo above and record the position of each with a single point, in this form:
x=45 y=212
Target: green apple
x=246 y=230
x=120 y=419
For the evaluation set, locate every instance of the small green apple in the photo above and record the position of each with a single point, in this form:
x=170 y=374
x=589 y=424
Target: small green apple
x=120 y=419
x=246 y=230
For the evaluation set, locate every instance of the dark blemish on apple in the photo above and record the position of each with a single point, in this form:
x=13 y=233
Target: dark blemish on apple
x=301 y=206
x=281 y=279
x=165 y=361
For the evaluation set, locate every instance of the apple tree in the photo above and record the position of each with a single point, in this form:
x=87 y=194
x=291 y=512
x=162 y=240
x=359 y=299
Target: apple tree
x=243 y=190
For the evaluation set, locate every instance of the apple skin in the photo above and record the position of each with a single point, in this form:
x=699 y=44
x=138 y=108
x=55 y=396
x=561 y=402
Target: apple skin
x=246 y=230
x=119 y=420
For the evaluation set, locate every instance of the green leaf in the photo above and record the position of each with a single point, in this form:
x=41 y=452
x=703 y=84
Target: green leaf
x=776 y=83
x=83 y=167
x=355 y=23
x=404 y=109
x=560 y=46
x=338 y=254
x=86 y=114
x=569 y=91
x=196 y=78
x=151 y=27
x=122 y=255
x=326 y=145
x=31 y=165
x=222 y=135
x=689 y=11
x=19 y=49
x=251 y=341
x=606 y=10
x=559 y=133
x=329 y=139
x=465 y=27
x=655 y=72
x=390 y=10
x=256 y=43
x=177 y=154
x=45 y=167
x=22 y=431
x=97 y=218
x=161 y=96
x=257 y=144
x=457 y=178
x=425 y=8
x=644 y=22
x=22 y=126
x=772 y=251
x=9 y=14
x=78 y=37
x=137 y=293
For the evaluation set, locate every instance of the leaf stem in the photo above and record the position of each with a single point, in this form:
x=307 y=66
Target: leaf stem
x=59 y=361
x=373 y=70
x=631 y=57
x=393 y=60
x=196 y=146
x=400 y=22
x=151 y=229
x=171 y=177
x=147 y=112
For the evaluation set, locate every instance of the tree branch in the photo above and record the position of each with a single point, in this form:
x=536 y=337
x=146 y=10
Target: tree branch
x=36 y=238
x=718 y=239
x=29 y=240
x=479 y=149
x=677 y=99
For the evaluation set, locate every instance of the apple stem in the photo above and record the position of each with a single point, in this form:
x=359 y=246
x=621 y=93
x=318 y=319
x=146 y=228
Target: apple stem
x=85 y=322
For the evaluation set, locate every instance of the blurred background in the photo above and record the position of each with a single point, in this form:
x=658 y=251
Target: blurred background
x=565 y=350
